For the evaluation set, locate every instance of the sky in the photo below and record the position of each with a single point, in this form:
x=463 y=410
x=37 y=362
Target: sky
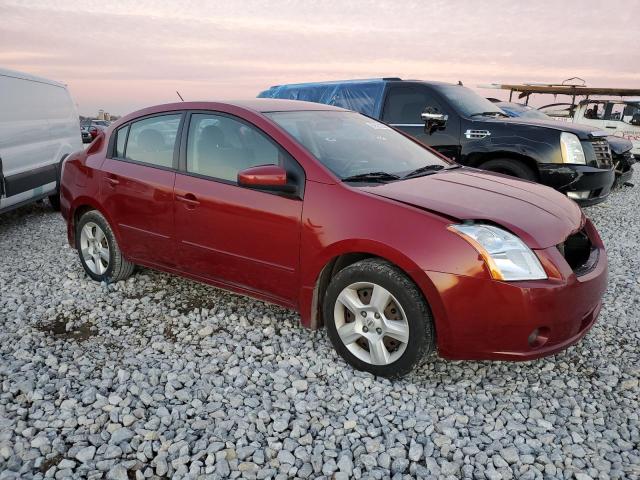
x=124 y=55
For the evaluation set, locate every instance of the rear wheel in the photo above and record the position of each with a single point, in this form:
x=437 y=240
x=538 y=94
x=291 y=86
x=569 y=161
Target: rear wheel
x=54 y=201
x=377 y=319
x=99 y=252
x=515 y=168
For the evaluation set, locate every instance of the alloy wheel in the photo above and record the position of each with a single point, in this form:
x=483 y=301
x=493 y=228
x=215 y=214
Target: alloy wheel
x=94 y=248
x=371 y=323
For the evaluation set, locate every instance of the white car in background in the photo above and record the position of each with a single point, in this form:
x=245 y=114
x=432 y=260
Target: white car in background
x=39 y=127
x=619 y=117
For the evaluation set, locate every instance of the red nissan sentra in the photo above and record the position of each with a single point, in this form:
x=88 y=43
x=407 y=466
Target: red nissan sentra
x=395 y=249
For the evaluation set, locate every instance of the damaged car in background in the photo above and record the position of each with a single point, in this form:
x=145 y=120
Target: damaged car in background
x=621 y=148
x=468 y=128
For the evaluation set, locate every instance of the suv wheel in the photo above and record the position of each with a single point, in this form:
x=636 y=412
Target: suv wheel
x=377 y=319
x=99 y=252
x=515 y=168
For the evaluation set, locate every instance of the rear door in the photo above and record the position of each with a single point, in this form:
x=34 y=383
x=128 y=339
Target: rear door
x=241 y=237
x=137 y=187
x=403 y=107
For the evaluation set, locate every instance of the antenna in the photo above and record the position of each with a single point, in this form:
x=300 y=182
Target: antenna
x=180 y=95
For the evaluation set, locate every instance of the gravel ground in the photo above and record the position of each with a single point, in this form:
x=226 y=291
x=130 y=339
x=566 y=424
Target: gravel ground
x=161 y=377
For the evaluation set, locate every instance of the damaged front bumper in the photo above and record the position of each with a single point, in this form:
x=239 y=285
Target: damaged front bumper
x=585 y=184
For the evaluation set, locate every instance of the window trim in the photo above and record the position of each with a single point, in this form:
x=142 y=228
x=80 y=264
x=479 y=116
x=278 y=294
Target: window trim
x=111 y=149
x=182 y=165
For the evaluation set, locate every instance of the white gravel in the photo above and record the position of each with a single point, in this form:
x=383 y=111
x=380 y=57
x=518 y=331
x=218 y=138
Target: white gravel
x=160 y=377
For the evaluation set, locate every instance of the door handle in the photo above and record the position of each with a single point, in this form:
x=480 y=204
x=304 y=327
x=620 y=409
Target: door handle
x=189 y=199
x=613 y=128
x=113 y=181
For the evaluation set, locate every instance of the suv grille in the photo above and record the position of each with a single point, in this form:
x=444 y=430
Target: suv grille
x=603 y=153
x=579 y=253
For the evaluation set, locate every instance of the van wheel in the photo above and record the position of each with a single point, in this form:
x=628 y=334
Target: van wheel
x=99 y=252
x=515 y=168
x=54 y=201
x=377 y=319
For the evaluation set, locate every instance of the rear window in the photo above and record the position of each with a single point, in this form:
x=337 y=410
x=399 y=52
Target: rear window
x=121 y=138
x=153 y=140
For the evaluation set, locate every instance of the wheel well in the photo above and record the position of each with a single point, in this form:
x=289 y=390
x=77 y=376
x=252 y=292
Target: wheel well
x=528 y=161
x=328 y=272
x=77 y=213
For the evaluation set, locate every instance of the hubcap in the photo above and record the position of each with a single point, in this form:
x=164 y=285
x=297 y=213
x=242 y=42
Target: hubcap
x=94 y=248
x=371 y=323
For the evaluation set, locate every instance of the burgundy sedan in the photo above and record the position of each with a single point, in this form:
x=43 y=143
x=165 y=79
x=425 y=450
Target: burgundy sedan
x=394 y=249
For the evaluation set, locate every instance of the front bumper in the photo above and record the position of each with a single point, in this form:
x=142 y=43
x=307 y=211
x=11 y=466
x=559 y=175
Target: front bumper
x=483 y=319
x=578 y=178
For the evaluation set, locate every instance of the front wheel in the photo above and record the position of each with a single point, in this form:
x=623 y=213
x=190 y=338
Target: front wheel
x=377 y=319
x=99 y=252
x=515 y=168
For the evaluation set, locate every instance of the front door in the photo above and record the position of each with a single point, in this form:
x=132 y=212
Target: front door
x=403 y=108
x=244 y=238
x=137 y=188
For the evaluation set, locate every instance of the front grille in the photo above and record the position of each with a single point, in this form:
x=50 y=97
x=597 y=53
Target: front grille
x=603 y=152
x=579 y=253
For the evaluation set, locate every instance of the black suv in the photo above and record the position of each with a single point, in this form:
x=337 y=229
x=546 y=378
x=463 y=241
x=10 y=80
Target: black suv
x=471 y=130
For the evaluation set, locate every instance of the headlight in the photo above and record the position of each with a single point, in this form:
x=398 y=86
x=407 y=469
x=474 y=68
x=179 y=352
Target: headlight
x=571 y=147
x=507 y=257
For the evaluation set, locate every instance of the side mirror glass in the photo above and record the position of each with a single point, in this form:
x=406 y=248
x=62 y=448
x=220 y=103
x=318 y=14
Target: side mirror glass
x=265 y=177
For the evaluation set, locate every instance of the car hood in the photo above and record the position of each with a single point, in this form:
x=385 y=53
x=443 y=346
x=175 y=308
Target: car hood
x=619 y=145
x=584 y=132
x=539 y=215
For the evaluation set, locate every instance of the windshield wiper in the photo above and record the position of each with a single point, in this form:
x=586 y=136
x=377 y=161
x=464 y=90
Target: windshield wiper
x=484 y=114
x=372 y=177
x=427 y=170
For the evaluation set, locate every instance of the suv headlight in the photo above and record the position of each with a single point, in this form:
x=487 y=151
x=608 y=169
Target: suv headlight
x=506 y=256
x=571 y=147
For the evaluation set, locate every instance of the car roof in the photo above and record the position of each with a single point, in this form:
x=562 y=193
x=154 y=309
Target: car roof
x=280 y=105
x=356 y=81
x=27 y=76
x=253 y=105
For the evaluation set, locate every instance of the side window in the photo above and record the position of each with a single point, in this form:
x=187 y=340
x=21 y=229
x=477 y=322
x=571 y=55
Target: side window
x=121 y=137
x=614 y=112
x=594 y=111
x=153 y=140
x=405 y=104
x=220 y=147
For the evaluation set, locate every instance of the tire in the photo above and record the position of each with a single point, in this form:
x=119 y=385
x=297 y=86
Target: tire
x=54 y=201
x=404 y=310
x=102 y=266
x=515 y=168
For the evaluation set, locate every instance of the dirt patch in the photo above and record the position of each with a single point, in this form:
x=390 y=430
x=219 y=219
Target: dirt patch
x=169 y=335
x=50 y=462
x=58 y=327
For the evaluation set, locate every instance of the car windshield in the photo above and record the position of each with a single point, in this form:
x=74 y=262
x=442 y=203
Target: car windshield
x=515 y=110
x=468 y=102
x=350 y=144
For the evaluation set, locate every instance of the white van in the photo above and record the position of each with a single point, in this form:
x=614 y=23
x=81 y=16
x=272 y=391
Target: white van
x=39 y=127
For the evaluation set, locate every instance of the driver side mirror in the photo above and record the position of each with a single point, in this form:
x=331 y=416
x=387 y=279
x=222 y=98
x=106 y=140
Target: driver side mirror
x=266 y=177
x=433 y=121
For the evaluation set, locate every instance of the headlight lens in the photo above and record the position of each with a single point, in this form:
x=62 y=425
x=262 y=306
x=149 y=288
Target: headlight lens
x=507 y=257
x=571 y=147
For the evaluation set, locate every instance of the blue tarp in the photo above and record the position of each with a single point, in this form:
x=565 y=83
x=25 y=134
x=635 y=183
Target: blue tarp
x=364 y=96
